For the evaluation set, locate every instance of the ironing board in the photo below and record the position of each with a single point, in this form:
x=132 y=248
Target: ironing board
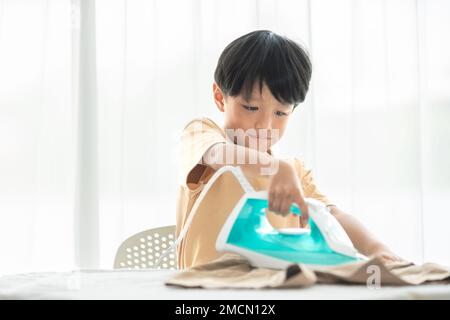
x=149 y=284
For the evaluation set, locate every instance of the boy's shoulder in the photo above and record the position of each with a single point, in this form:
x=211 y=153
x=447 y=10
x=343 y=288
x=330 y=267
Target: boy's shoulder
x=202 y=123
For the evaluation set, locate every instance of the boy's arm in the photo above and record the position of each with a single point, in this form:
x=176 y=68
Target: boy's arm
x=284 y=187
x=222 y=154
x=362 y=238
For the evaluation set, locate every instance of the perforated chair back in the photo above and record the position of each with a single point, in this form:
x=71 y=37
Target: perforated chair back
x=142 y=250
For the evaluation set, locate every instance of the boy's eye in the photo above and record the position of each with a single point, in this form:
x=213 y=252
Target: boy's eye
x=281 y=114
x=250 y=108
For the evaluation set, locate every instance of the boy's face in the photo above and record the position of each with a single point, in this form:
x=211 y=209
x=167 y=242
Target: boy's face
x=263 y=119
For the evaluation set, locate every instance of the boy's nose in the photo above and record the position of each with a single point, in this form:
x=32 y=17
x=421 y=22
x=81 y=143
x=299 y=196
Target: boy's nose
x=264 y=123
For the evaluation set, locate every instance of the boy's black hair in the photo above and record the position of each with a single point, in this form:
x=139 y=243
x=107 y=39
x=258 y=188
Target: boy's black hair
x=264 y=56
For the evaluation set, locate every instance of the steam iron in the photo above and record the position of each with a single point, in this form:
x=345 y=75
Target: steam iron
x=248 y=232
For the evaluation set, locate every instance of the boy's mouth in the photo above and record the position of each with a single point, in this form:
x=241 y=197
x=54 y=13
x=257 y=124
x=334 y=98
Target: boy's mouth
x=260 y=142
x=261 y=136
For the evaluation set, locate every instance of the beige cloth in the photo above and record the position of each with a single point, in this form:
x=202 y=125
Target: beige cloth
x=234 y=271
x=198 y=246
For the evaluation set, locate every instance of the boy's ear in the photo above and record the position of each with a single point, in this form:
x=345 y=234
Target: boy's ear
x=219 y=99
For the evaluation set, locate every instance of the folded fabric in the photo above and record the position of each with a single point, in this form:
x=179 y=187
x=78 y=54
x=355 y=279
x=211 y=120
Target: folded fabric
x=234 y=271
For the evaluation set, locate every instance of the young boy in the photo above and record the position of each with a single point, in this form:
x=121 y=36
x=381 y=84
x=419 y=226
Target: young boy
x=259 y=80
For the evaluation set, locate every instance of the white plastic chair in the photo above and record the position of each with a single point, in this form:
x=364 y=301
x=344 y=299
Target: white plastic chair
x=142 y=250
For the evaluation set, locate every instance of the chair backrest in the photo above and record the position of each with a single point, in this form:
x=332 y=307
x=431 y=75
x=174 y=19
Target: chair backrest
x=144 y=248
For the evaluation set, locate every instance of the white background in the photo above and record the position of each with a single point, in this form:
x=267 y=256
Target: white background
x=374 y=128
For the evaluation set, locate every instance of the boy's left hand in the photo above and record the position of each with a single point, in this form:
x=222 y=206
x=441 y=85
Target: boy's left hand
x=385 y=254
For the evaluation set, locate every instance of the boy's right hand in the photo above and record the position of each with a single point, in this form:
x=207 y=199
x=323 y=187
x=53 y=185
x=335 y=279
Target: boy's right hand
x=284 y=190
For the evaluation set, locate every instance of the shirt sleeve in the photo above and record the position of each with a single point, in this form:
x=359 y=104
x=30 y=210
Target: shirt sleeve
x=197 y=137
x=309 y=186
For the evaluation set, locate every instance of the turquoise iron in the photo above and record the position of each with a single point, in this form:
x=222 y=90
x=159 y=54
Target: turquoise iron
x=248 y=232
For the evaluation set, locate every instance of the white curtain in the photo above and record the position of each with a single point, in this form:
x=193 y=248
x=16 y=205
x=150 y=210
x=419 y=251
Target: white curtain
x=93 y=96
